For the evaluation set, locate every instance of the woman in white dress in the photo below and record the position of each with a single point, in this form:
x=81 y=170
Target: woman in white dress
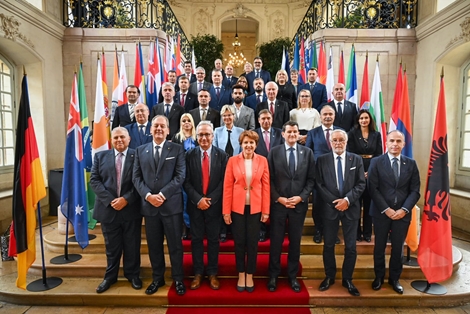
x=306 y=116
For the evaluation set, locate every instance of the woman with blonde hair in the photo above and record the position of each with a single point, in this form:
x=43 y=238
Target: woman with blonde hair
x=286 y=91
x=306 y=116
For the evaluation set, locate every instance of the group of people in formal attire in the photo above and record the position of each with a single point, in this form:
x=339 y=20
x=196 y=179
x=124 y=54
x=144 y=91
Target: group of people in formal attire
x=234 y=154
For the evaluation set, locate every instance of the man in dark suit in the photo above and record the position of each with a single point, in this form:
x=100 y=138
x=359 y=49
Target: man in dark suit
x=317 y=90
x=200 y=83
x=172 y=80
x=279 y=108
x=205 y=169
x=220 y=95
x=159 y=172
x=318 y=142
x=218 y=66
x=169 y=109
x=140 y=131
x=117 y=207
x=292 y=173
x=345 y=111
x=340 y=183
x=244 y=116
x=229 y=79
x=204 y=112
x=184 y=98
x=124 y=114
x=188 y=73
x=393 y=182
x=257 y=73
x=269 y=137
x=258 y=96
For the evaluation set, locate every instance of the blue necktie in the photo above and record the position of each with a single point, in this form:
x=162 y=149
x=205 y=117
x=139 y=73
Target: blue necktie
x=291 y=161
x=157 y=156
x=167 y=111
x=141 y=133
x=340 y=176
x=340 y=111
x=395 y=169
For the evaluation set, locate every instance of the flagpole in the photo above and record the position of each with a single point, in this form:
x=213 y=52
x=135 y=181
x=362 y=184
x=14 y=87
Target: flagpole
x=44 y=283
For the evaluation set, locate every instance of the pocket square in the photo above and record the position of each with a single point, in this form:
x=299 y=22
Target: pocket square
x=352 y=168
x=169 y=158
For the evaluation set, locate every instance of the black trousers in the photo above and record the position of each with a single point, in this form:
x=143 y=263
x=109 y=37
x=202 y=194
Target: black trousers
x=245 y=230
x=203 y=220
x=398 y=230
x=316 y=212
x=122 y=238
x=330 y=232
x=366 y=229
x=156 y=228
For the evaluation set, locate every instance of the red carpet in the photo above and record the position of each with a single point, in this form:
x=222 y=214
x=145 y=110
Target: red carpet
x=238 y=310
x=228 y=246
x=228 y=295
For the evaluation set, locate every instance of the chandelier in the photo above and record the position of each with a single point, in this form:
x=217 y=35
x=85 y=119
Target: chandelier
x=236 y=59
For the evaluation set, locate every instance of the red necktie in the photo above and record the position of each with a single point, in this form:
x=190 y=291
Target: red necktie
x=266 y=139
x=205 y=173
x=328 y=138
x=271 y=108
x=182 y=99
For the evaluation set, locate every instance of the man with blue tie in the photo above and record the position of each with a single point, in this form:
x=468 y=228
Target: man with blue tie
x=340 y=182
x=257 y=72
x=345 y=111
x=169 y=109
x=394 y=183
x=229 y=79
x=220 y=96
x=317 y=90
x=140 y=131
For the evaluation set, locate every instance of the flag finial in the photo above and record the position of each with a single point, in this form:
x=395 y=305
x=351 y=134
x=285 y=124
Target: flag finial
x=102 y=50
x=367 y=53
x=377 y=58
x=122 y=48
x=442 y=72
x=98 y=55
x=401 y=61
x=404 y=68
x=24 y=70
x=115 y=47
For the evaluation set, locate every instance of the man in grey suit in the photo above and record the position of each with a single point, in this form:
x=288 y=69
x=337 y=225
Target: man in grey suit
x=200 y=83
x=394 y=187
x=159 y=172
x=205 y=170
x=117 y=207
x=292 y=173
x=244 y=116
x=340 y=182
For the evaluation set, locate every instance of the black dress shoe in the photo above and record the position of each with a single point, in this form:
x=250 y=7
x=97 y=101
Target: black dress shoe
x=294 y=284
x=351 y=288
x=136 y=283
x=396 y=286
x=317 y=237
x=377 y=283
x=180 y=288
x=262 y=236
x=154 y=287
x=272 y=284
x=359 y=238
x=337 y=240
x=186 y=233
x=104 y=285
x=223 y=238
x=326 y=283
x=368 y=239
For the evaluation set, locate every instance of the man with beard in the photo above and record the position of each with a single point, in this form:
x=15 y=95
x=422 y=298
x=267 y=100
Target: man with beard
x=258 y=96
x=278 y=108
x=340 y=182
x=244 y=116
x=124 y=114
x=257 y=72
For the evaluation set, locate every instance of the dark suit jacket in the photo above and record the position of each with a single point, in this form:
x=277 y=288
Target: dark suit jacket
x=192 y=79
x=228 y=83
x=193 y=87
x=193 y=181
x=357 y=145
x=167 y=179
x=275 y=140
x=383 y=189
x=212 y=116
x=134 y=133
x=349 y=115
x=121 y=116
x=190 y=101
x=319 y=95
x=160 y=95
x=174 y=117
x=283 y=184
x=250 y=77
x=104 y=184
x=316 y=141
x=353 y=186
x=251 y=101
x=288 y=94
x=225 y=97
x=281 y=112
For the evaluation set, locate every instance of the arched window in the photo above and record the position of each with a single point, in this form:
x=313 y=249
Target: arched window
x=7 y=114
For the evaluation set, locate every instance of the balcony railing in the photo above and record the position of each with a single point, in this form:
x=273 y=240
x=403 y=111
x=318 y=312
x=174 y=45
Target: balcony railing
x=125 y=14
x=378 y=14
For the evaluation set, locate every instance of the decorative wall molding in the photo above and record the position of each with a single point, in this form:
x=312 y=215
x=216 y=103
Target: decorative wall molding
x=10 y=26
x=464 y=34
x=239 y=11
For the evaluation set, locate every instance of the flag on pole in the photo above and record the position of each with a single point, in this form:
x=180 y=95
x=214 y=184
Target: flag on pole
x=396 y=101
x=341 y=69
x=115 y=94
x=302 y=72
x=365 y=97
x=285 y=64
x=101 y=135
x=296 y=64
x=179 y=65
x=351 y=85
x=435 y=249
x=139 y=78
x=193 y=61
x=28 y=189
x=122 y=81
x=73 y=198
x=313 y=55
x=376 y=108
x=105 y=97
x=322 y=67
x=404 y=119
x=330 y=78
x=153 y=75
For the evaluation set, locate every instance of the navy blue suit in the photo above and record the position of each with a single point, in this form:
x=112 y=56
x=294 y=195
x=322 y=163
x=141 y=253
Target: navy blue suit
x=136 y=138
x=121 y=116
x=250 y=77
x=252 y=100
x=176 y=111
x=228 y=83
x=319 y=95
x=275 y=138
x=316 y=141
x=225 y=97
x=190 y=101
x=349 y=114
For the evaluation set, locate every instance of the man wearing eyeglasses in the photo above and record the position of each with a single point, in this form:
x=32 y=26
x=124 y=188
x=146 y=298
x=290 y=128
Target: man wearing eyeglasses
x=205 y=169
x=340 y=191
x=195 y=87
x=257 y=72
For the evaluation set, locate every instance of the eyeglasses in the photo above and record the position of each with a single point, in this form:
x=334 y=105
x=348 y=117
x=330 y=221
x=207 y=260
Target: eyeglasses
x=204 y=135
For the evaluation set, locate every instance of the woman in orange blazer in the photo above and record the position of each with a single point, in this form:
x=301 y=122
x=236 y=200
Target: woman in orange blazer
x=246 y=203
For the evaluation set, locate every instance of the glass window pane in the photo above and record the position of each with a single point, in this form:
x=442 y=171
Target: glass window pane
x=1 y=157
x=9 y=157
x=8 y=120
x=6 y=83
x=8 y=138
x=468 y=84
x=466 y=159
x=6 y=102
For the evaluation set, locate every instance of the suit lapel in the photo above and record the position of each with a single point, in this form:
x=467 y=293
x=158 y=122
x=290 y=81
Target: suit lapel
x=128 y=165
x=165 y=151
x=111 y=160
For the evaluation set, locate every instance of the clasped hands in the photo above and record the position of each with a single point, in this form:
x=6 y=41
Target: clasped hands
x=204 y=203
x=290 y=202
x=395 y=214
x=341 y=204
x=155 y=199
x=118 y=203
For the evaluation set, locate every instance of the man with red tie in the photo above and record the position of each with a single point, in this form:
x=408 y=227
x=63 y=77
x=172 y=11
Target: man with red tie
x=279 y=109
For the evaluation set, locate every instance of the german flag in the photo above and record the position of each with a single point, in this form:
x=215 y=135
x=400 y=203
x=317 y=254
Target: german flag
x=28 y=189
